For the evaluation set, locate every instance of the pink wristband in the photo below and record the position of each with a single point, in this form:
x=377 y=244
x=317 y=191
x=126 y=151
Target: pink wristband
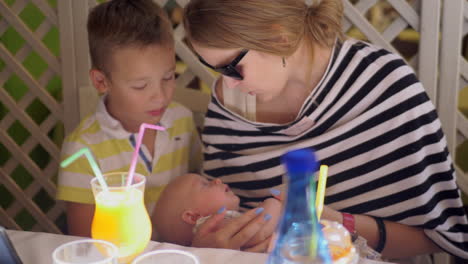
x=348 y=222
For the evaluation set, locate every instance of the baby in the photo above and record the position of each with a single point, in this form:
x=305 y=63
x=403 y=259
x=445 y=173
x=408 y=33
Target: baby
x=191 y=198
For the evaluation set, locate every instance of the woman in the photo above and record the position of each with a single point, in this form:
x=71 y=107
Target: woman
x=290 y=80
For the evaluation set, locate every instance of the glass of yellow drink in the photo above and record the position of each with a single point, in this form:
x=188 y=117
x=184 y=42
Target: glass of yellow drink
x=120 y=216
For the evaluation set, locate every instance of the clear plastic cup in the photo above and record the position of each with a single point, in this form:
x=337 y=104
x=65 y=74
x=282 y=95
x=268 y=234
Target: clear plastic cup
x=167 y=256
x=89 y=251
x=341 y=248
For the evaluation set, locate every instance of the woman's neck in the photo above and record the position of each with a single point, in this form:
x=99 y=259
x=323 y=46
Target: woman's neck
x=307 y=67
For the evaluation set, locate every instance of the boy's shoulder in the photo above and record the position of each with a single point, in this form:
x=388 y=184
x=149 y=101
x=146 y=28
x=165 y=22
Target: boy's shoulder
x=88 y=127
x=179 y=108
x=176 y=112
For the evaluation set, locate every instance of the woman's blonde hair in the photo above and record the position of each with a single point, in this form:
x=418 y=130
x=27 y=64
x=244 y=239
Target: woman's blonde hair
x=270 y=26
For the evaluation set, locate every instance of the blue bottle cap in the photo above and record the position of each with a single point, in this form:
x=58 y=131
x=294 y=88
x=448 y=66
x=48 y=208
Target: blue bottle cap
x=300 y=161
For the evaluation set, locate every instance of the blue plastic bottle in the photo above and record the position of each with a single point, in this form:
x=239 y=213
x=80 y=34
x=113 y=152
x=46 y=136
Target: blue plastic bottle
x=299 y=238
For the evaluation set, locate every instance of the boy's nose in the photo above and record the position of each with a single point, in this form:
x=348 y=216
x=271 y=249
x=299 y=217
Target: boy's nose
x=159 y=93
x=231 y=82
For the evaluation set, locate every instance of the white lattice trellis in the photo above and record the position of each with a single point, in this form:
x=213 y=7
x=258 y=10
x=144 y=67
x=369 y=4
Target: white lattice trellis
x=25 y=195
x=453 y=78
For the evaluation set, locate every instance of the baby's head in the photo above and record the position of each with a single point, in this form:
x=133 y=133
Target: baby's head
x=186 y=199
x=131 y=47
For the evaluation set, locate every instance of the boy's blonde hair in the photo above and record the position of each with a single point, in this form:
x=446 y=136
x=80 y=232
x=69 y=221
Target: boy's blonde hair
x=270 y=26
x=125 y=23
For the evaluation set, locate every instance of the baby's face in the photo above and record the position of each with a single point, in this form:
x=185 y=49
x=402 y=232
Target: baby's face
x=209 y=196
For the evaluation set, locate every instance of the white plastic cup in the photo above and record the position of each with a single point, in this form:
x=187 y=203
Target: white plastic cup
x=167 y=256
x=89 y=251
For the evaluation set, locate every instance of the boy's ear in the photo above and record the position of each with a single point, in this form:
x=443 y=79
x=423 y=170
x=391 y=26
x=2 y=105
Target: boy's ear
x=99 y=80
x=190 y=217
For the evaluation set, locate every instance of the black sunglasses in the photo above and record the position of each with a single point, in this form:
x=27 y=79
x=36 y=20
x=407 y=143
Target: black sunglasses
x=229 y=69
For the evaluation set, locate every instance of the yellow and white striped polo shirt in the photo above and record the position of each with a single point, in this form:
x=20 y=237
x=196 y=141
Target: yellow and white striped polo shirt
x=177 y=151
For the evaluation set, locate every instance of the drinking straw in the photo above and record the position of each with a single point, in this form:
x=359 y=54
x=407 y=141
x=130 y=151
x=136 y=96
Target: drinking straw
x=97 y=172
x=131 y=171
x=314 y=236
x=319 y=200
x=322 y=183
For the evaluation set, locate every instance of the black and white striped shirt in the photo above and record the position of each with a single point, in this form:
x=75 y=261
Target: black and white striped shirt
x=371 y=122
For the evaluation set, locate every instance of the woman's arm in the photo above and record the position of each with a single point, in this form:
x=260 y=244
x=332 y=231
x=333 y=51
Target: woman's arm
x=402 y=240
x=79 y=218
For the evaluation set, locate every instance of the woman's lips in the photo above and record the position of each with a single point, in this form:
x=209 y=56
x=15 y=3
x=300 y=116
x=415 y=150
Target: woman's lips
x=156 y=112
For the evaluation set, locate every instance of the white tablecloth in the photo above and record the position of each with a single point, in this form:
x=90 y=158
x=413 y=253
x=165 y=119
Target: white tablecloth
x=37 y=248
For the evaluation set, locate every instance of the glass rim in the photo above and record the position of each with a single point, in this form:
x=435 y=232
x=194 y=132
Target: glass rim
x=115 y=250
x=163 y=251
x=95 y=183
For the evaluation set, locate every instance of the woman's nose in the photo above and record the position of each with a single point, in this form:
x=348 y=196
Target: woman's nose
x=231 y=82
x=216 y=181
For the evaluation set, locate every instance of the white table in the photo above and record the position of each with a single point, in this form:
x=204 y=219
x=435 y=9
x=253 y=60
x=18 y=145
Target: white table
x=37 y=248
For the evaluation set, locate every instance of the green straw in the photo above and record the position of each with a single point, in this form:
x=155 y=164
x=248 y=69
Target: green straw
x=92 y=162
x=314 y=238
x=319 y=200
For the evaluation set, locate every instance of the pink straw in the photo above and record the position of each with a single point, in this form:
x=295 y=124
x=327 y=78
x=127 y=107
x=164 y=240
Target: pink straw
x=131 y=171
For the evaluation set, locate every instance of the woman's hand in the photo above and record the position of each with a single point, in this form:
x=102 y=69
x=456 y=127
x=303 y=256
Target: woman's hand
x=331 y=214
x=233 y=235
x=260 y=247
x=277 y=194
x=261 y=239
x=328 y=213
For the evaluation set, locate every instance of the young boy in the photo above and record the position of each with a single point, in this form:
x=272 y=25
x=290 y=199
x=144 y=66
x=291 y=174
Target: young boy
x=133 y=63
x=190 y=198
